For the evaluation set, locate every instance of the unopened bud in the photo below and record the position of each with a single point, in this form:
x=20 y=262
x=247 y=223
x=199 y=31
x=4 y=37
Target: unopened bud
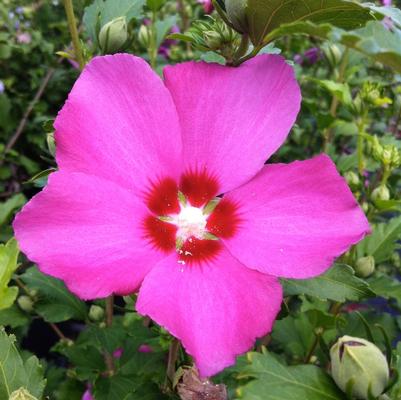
x=359 y=366
x=51 y=144
x=213 y=39
x=96 y=313
x=144 y=36
x=237 y=15
x=113 y=35
x=25 y=303
x=21 y=394
x=352 y=178
x=381 y=193
x=365 y=266
x=333 y=54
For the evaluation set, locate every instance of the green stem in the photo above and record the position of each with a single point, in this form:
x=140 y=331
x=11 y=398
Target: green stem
x=250 y=55
x=152 y=45
x=108 y=358
x=242 y=48
x=69 y=10
x=334 y=102
x=360 y=145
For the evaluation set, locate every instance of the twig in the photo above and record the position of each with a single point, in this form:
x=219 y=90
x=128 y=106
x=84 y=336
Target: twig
x=172 y=359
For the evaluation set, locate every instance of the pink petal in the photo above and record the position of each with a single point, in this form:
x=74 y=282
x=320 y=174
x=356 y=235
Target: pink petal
x=296 y=219
x=119 y=123
x=87 y=231
x=216 y=309
x=233 y=119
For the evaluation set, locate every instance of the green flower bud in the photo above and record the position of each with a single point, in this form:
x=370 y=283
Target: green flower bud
x=25 y=303
x=51 y=144
x=333 y=54
x=380 y=193
x=352 y=179
x=21 y=394
x=359 y=365
x=236 y=14
x=113 y=35
x=144 y=36
x=365 y=266
x=96 y=313
x=213 y=39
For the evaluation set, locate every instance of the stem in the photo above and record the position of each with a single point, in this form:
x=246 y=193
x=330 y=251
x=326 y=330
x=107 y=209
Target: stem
x=172 y=359
x=334 y=102
x=69 y=10
x=58 y=332
x=242 y=48
x=250 y=55
x=108 y=358
x=27 y=113
x=153 y=45
x=360 y=145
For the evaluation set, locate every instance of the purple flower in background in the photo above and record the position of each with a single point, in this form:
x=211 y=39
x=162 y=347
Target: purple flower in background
x=387 y=2
x=24 y=38
x=311 y=56
x=19 y=10
x=145 y=348
x=118 y=353
x=87 y=395
x=207 y=5
x=2 y=87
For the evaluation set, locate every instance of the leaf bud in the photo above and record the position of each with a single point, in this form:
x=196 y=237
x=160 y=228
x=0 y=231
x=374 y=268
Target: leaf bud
x=236 y=13
x=381 y=193
x=25 y=303
x=96 y=313
x=113 y=35
x=365 y=266
x=359 y=366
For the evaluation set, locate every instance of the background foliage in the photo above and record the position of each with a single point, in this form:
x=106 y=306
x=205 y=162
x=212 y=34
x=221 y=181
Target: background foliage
x=347 y=57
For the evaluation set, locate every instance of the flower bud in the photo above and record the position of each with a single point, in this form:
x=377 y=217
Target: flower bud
x=144 y=36
x=352 y=178
x=333 y=54
x=21 y=394
x=51 y=144
x=381 y=193
x=236 y=14
x=213 y=39
x=365 y=266
x=25 y=303
x=113 y=35
x=360 y=365
x=96 y=313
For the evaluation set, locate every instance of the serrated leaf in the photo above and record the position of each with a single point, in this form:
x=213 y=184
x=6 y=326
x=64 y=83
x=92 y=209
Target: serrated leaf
x=14 y=373
x=274 y=380
x=339 y=283
x=264 y=16
x=382 y=242
x=55 y=303
x=8 y=264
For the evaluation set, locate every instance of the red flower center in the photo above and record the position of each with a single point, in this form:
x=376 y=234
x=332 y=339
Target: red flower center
x=188 y=218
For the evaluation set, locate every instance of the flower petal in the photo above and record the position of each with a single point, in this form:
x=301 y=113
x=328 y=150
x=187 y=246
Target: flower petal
x=216 y=309
x=295 y=219
x=119 y=123
x=88 y=232
x=233 y=119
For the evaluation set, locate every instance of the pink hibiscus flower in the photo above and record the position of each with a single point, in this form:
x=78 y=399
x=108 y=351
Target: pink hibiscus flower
x=129 y=145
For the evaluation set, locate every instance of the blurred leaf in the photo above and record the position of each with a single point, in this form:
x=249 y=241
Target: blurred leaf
x=274 y=380
x=339 y=283
x=340 y=90
x=266 y=15
x=386 y=287
x=13 y=317
x=8 y=206
x=163 y=27
x=382 y=242
x=154 y=5
x=55 y=303
x=16 y=374
x=212 y=57
x=8 y=264
x=388 y=205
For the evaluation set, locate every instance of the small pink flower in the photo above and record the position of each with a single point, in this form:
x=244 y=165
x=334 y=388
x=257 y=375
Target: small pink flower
x=130 y=145
x=24 y=38
x=118 y=353
x=87 y=395
x=387 y=3
x=207 y=6
x=145 y=348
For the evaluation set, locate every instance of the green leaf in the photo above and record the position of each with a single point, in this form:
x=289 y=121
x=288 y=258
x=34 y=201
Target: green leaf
x=382 y=242
x=338 y=284
x=8 y=264
x=266 y=15
x=55 y=303
x=340 y=90
x=274 y=380
x=163 y=27
x=7 y=207
x=385 y=286
x=13 y=316
x=154 y=5
x=14 y=373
